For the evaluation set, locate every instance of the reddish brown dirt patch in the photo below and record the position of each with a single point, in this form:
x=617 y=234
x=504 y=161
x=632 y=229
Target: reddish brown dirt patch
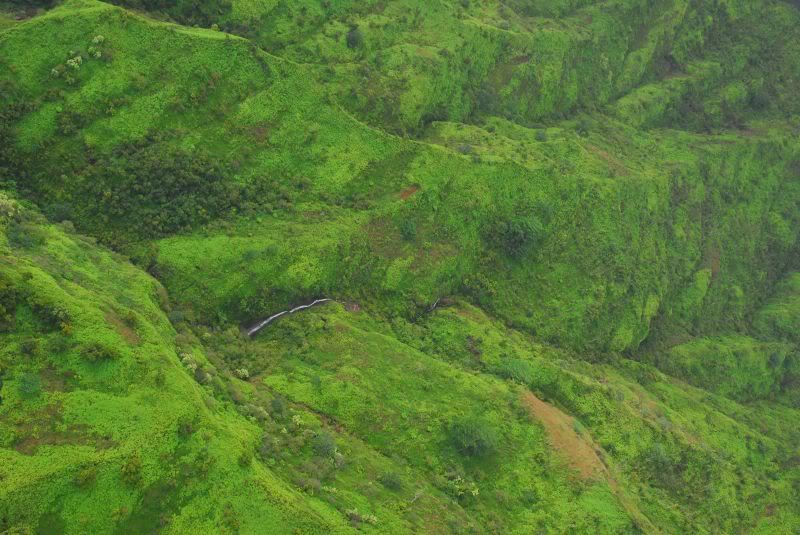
x=581 y=453
x=45 y=428
x=560 y=427
x=409 y=191
x=53 y=381
x=614 y=164
x=122 y=328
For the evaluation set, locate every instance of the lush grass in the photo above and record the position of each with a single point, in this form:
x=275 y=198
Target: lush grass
x=102 y=427
x=592 y=203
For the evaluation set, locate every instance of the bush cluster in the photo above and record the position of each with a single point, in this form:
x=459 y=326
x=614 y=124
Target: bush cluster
x=474 y=437
x=150 y=189
x=97 y=352
x=515 y=235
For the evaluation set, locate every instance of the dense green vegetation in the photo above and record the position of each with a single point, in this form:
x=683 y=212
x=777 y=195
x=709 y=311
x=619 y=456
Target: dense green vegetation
x=562 y=238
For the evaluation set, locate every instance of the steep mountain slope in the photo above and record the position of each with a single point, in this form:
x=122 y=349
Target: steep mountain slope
x=101 y=426
x=561 y=237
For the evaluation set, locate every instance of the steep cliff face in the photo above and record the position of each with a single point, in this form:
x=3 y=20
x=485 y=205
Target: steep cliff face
x=560 y=240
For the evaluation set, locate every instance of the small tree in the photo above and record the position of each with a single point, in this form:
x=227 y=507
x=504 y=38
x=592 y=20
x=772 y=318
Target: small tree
x=131 y=471
x=355 y=39
x=324 y=444
x=474 y=437
x=516 y=234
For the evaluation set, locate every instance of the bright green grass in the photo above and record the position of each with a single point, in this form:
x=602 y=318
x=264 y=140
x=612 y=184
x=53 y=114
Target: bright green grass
x=650 y=157
x=77 y=416
x=597 y=195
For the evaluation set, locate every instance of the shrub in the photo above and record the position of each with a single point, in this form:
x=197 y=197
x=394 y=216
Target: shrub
x=97 y=352
x=324 y=444
x=132 y=470
x=58 y=344
x=150 y=189
x=30 y=386
x=52 y=315
x=59 y=211
x=355 y=39
x=518 y=370
x=186 y=425
x=176 y=317
x=9 y=296
x=278 y=407
x=391 y=481
x=516 y=235
x=245 y=458
x=30 y=346
x=459 y=487
x=583 y=127
x=356 y=518
x=474 y=437
x=24 y=236
x=408 y=229
x=86 y=477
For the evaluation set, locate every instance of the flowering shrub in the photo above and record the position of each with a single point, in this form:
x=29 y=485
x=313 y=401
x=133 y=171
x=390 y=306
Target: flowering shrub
x=75 y=62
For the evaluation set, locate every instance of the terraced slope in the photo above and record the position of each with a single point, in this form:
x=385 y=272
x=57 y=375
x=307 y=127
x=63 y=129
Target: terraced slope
x=561 y=237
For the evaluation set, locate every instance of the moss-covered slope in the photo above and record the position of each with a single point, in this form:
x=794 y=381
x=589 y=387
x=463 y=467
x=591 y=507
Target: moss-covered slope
x=561 y=238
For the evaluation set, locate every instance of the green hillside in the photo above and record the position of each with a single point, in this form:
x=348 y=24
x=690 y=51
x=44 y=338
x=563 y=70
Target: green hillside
x=560 y=239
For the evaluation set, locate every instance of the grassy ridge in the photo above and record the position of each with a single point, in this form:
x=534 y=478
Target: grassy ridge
x=102 y=428
x=562 y=237
x=288 y=150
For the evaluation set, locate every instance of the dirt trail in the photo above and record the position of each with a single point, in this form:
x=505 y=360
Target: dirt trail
x=581 y=453
x=560 y=427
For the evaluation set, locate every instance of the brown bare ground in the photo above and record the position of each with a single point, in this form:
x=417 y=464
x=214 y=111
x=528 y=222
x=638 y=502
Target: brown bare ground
x=124 y=330
x=560 y=427
x=409 y=191
x=581 y=453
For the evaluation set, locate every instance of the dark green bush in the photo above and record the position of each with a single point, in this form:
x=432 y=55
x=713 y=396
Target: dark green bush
x=189 y=12
x=278 y=407
x=474 y=437
x=86 y=477
x=355 y=39
x=151 y=189
x=30 y=386
x=97 y=352
x=324 y=444
x=9 y=296
x=391 y=481
x=131 y=470
x=515 y=235
x=30 y=347
x=54 y=316
x=24 y=235
x=408 y=229
x=245 y=458
x=176 y=317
